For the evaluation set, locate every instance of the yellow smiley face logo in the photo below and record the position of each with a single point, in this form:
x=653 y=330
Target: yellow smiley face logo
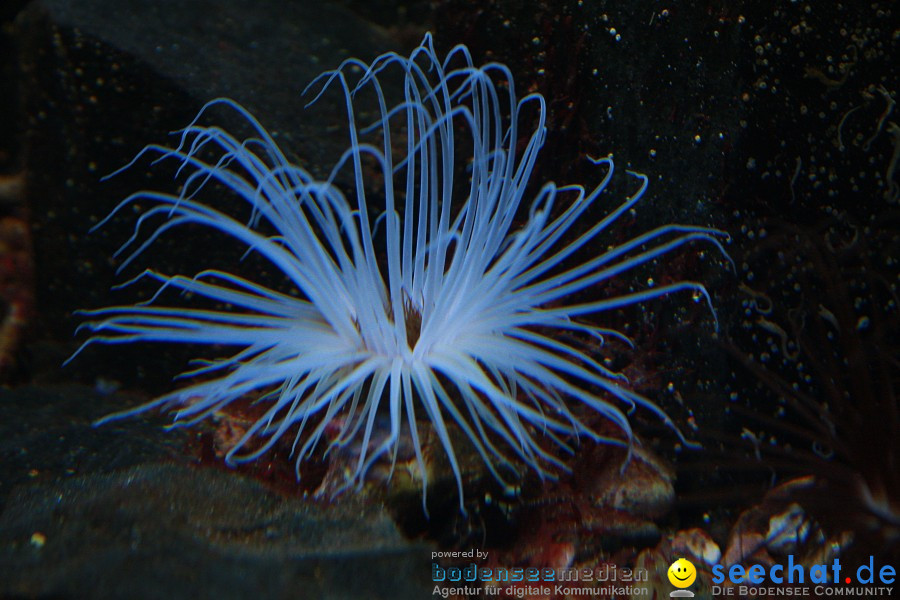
x=682 y=573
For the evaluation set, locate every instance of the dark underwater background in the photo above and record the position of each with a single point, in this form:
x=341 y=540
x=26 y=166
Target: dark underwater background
x=774 y=121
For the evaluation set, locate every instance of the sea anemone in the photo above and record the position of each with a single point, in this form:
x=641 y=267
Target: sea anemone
x=448 y=301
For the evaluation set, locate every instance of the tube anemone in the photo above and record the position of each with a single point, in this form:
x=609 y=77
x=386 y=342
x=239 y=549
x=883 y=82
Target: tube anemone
x=444 y=304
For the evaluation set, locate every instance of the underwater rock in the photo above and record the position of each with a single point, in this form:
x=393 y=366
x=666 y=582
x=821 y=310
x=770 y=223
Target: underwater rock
x=85 y=515
x=46 y=435
x=177 y=532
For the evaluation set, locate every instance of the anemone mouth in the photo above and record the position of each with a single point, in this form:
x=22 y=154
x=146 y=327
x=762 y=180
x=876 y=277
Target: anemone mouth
x=412 y=318
x=455 y=322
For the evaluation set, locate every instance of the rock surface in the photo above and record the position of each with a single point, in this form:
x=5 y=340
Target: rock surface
x=120 y=511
